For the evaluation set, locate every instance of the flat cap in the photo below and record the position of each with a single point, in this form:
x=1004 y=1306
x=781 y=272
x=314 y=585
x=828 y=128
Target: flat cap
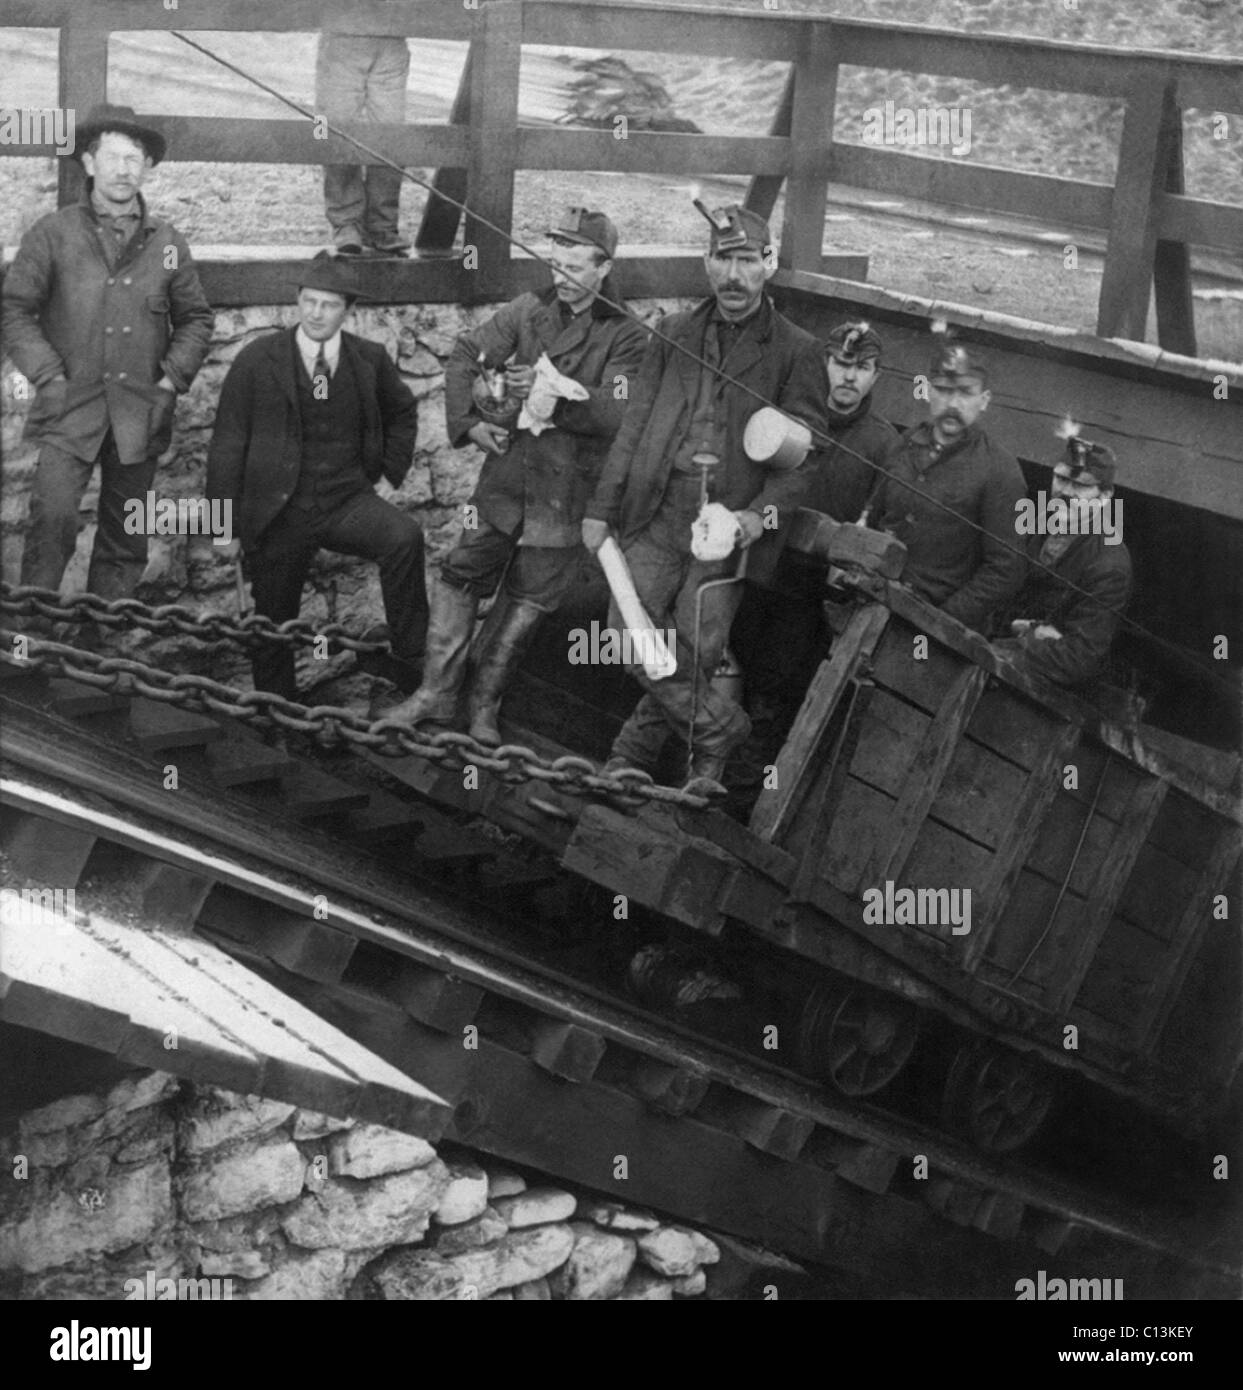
x=587 y=229
x=1088 y=459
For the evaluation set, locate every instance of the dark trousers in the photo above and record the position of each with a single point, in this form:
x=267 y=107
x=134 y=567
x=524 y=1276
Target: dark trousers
x=538 y=575
x=780 y=636
x=118 y=557
x=667 y=579
x=364 y=526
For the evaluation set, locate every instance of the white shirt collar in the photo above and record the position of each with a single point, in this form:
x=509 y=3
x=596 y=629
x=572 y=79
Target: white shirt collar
x=309 y=349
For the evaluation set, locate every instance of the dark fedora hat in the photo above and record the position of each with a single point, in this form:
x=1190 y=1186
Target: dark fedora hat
x=104 y=118
x=326 y=272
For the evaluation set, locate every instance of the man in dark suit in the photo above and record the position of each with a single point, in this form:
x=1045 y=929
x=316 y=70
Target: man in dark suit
x=309 y=420
x=682 y=412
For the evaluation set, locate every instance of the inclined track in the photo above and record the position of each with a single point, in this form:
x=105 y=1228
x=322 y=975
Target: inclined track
x=567 y=1077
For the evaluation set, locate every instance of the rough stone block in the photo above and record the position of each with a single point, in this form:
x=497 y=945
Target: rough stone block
x=236 y=1264
x=370 y=1151
x=691 y=1285
x=243 y=1180
x=138 y=1092
x=485 y=1229
x=612 y=1217
x=348 y=1215
x=61 y=1114
x=598 y=1265
x=133 y=1205
x=538 y=1207
x=537 y=1291
x=669 y=1251
x=504 y=1183
x=646 y=1288
x=310 y=1124
x=215 y=1118
x=313 y=1277
x=465 y=1197
x=521 y=1258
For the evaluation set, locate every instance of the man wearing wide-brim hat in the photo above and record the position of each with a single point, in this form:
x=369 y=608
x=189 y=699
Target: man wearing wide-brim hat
x=310 y=419
x=103 y=312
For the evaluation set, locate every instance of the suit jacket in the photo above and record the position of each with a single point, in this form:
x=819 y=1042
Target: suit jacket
x=113 y=333
x=1088 y=625
x=256 y=446
x=966 y=572
x=542 y=482
x=779 y=361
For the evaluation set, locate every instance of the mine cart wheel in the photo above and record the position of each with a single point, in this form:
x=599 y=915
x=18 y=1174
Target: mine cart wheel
x=995 y=1097
x=855 y=1037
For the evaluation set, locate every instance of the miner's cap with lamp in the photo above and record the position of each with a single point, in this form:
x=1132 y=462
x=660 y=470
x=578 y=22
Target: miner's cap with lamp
x=734 y=228
x=952 y=363
x=853 y=342
x=586 y=228
x=1091 y=462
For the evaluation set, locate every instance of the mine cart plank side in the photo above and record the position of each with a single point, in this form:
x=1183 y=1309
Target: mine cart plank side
x=1022 y=824
x=1102 y=899
x=801 y=755
x=926 y=769
x=1192 y=925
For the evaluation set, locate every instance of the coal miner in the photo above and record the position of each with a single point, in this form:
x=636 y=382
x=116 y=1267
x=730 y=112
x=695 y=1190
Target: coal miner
x=540 y=388
x=681 y=441
x=963 y=555
x=780 y=633
x=104 y=313
x=310 y=418
x=1064 y=619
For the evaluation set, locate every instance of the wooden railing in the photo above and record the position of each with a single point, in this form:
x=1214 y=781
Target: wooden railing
x=1150 y=223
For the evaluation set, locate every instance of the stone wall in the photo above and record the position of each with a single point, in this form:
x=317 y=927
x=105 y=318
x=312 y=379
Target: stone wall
x=162 y=1179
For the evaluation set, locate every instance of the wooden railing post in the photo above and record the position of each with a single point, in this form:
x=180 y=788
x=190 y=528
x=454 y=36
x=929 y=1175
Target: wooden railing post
x=811 y=152
x=493 y=150
x=1126 y=287
x=764 y=189
x=1171 y=268
x=440 y=220
x=83 y=83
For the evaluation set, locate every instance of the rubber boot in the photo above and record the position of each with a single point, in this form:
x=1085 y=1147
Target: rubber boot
x=504 y=638
x=707 y=772
x=451 y=626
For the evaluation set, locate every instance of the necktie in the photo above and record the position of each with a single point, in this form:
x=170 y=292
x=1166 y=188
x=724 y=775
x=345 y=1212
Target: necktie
x=321 y=372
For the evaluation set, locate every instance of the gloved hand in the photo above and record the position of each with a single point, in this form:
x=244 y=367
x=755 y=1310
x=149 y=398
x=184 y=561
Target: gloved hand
x=548 y=387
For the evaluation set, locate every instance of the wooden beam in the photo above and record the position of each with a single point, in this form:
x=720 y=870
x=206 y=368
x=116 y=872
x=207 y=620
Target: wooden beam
x=83 y=83
x=1126 y=286
x=1071 y=201
x=1171 y=268
x=764 y=189
x=798 y=763
x=493 y=155
x=811 y=143
x=655 y=153
x=1216 y=226
x=239 y=140
x=440 y=221
x=928 y=766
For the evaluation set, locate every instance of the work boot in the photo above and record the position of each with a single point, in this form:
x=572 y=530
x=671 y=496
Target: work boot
x=449 y=631
x=707 y=772
x=504 y=638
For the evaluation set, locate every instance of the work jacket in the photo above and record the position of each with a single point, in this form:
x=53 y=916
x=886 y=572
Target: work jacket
x=542 y=482
x=1088 y=624
x=778 y=361
x=842 y=483
x=256 y=447
x=113 y=333
x=967 y=572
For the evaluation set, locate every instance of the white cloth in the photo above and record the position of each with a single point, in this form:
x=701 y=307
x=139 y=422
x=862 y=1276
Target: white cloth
x=714 y=532
x=549 y=387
